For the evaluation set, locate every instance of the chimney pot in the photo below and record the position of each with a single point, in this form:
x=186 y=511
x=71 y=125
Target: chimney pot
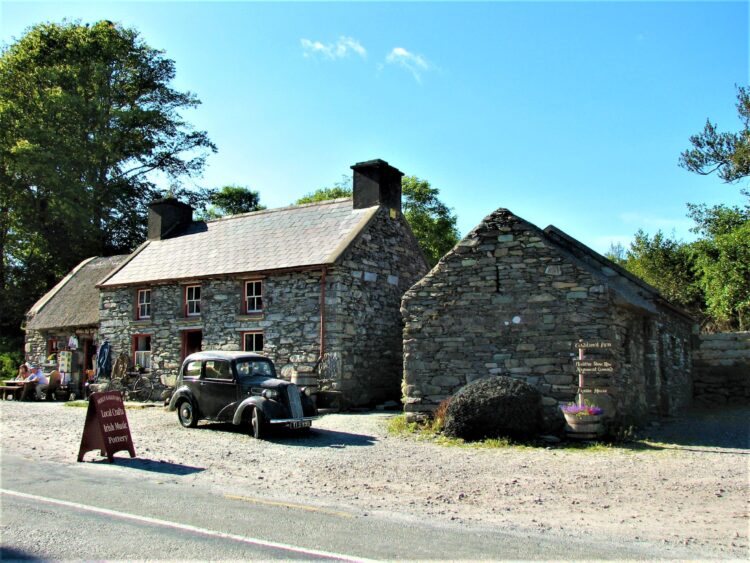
x=376 y=183
x=167 y=216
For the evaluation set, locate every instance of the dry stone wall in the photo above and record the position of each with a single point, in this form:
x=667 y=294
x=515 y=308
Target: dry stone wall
x=722 y=369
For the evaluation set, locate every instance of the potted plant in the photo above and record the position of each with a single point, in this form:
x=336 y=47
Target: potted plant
x=583 y=421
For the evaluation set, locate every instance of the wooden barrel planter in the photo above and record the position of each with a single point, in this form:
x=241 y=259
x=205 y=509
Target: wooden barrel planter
x=587 y=427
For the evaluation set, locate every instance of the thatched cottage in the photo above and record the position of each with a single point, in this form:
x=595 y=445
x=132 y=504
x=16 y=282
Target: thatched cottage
x=513 y=299
x=316 y=287
x=67 y=316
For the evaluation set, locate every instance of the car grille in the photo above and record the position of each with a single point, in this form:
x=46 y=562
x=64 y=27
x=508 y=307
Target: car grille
x=295 y=405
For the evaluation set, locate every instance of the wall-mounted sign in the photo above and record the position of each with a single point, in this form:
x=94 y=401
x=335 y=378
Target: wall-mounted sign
x=594 y=344
x=595 y=366
x=106 y=428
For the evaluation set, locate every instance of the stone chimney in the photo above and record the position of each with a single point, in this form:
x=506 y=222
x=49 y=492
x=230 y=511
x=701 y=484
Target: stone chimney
x=167 y=216
x=377 y=183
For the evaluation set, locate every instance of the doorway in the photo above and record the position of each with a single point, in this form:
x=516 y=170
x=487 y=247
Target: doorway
x=191 y=342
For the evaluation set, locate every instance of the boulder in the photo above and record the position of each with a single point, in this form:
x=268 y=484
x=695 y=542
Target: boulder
x=494 y=407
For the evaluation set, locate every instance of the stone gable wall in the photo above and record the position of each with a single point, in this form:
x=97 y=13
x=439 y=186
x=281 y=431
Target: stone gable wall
x=508 y=301
x=364 y=326
x=722 y=369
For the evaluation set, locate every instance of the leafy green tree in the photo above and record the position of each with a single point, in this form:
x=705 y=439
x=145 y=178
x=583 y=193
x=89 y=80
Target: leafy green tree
x=232 y=200
x=667 y=265
x=726 y=154
x=87 y=117
x=433 y=223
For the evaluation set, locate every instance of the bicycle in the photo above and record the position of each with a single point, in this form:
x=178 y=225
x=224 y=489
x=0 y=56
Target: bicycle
x=139 y=390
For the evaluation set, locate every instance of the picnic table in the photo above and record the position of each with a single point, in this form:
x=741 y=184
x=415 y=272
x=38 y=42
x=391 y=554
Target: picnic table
x=12 y=387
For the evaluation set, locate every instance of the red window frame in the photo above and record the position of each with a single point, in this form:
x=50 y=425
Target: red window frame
x=185 y=302
x=138 y=293
x=134 y=346
x=255 y=334
x=258 y=297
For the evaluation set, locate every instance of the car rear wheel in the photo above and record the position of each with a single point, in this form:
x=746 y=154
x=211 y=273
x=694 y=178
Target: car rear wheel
x=257 y=424
x=186 y=414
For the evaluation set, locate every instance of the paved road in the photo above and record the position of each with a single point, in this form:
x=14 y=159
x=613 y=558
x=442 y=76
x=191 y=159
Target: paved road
x=131 y=510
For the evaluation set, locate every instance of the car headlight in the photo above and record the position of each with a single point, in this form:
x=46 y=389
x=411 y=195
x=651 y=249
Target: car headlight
x=306 y=391
x=270 y=393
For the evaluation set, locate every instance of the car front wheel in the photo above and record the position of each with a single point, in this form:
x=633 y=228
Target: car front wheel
x=257 y=424
x=186 y=414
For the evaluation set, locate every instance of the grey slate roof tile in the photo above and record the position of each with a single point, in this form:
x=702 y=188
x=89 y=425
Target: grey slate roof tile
x=290 y=237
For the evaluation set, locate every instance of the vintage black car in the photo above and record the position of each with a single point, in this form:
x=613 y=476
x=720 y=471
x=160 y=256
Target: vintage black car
x=238 y=387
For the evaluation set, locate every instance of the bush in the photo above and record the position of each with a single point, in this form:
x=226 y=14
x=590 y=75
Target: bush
x=9 y=363
x=494 y=407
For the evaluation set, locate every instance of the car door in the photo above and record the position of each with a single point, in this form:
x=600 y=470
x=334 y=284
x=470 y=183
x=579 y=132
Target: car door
x=218 y=390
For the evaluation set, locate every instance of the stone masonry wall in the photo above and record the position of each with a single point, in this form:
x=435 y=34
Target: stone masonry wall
x=35 y=350
x=722 y=369
x=503 y=302
x=290 y=321
x=508 y=301
x=364 y=326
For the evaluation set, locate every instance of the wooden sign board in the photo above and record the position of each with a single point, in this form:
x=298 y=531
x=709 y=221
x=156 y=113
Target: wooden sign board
x=595 y=366
x=594 y=344
x=106 y=428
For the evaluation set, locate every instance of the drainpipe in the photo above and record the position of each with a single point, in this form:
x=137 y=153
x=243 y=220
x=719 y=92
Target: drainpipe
x=322 y=314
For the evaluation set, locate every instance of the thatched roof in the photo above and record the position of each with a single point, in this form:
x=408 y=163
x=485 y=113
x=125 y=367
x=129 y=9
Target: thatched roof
x=74 y=301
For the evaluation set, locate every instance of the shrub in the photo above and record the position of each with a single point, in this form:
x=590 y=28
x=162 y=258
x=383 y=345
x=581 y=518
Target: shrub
x=494 y=407
x=9 y=363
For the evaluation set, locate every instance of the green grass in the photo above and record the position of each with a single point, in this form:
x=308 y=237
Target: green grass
x=77 y=404
x=431 y=431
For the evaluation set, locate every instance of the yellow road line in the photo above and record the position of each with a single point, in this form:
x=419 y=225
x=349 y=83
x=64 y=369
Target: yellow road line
x=290 y=505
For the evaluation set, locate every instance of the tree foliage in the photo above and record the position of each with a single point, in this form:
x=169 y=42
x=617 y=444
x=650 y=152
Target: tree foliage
x=711 y=276
x=231 y=200
x=726 y=154
x=433 y=223
x=87 y=117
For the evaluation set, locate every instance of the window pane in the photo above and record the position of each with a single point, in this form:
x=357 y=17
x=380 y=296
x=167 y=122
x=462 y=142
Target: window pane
x=193 y=369
x=218 y=370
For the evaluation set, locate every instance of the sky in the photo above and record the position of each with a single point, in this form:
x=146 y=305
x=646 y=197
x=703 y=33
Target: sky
x=566 y=113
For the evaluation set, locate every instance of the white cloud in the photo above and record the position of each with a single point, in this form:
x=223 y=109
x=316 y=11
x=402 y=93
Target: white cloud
x=416 y=64
x=339 y=50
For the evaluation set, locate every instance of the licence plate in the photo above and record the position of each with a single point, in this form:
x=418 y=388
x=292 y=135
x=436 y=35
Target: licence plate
x=300 y=424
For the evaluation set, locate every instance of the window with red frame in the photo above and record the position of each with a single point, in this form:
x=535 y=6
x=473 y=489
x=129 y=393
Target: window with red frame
x=253 y=296
x=192 y=300
x=143 y=305
x=142 y=350
x=252 y=342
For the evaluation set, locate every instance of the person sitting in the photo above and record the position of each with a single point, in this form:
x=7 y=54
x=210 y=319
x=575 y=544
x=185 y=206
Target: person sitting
x=34 y=383
x=23 y=373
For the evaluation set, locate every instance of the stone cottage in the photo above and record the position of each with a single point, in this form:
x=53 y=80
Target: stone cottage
x=513 y=299
x=315 y=287
x=67 y=316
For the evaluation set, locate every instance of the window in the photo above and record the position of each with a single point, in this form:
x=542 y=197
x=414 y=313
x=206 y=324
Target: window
x=217 y=369
x=193 y=369
x=253 y=296
x=252 y=342
x=53 y=346
x=143 y=308
x=255 y=368
x=192 y=300
x=142 y=350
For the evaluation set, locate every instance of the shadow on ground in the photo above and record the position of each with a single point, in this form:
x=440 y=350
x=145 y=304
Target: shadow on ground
x=152 y=466
x=10 y=554
x=312 y=438
x=720 y=428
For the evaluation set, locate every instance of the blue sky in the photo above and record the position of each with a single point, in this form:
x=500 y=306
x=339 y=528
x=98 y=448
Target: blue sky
x=567 y=113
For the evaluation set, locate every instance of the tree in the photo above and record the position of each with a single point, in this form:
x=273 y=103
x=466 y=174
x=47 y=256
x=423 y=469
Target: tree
x=726 y=154
x=87 y=117
x=433 y=223
x=232 y=200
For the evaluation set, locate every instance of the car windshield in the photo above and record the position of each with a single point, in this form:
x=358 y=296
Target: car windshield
x=255 y=368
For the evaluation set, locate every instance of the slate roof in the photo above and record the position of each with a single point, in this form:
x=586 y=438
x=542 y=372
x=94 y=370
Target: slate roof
x=275 y=239
x=74 y=301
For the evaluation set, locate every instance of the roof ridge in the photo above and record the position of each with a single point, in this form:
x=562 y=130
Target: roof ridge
x=277 y=209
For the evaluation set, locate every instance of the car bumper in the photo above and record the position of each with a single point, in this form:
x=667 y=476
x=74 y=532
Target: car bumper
x=305 y=422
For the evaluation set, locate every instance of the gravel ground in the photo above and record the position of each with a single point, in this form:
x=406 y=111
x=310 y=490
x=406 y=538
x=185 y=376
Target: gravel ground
x=688 y=486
